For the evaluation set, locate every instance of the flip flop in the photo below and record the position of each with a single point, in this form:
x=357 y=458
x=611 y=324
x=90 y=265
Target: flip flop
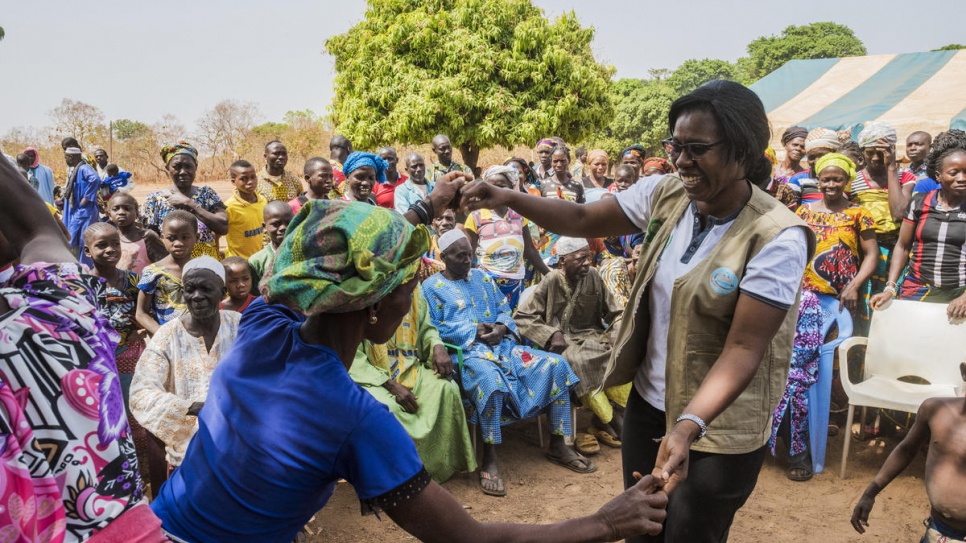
x=586 y=444
x=489 y=477
x=803 y=466
x=603 y=436
x=576 y=464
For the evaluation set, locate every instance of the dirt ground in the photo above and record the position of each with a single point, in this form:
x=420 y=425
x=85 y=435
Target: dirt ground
x=539 y=492
x=779 y=509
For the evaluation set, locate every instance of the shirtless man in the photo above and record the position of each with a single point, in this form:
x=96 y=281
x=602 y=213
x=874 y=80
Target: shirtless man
x=941 y=422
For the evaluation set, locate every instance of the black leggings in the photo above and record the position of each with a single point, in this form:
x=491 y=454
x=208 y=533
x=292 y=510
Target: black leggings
x=702 y=508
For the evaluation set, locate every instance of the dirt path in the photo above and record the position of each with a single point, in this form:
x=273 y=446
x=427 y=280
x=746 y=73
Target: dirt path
x=778 y=510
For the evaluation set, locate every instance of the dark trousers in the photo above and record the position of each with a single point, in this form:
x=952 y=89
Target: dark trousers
x=701 y=509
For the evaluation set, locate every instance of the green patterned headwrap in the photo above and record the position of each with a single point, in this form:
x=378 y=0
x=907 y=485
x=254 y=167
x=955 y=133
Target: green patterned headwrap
x=342 y=256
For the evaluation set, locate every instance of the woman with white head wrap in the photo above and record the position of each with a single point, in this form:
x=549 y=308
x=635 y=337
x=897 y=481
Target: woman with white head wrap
x=885 y=193
x=818 y=143
x=501 y=239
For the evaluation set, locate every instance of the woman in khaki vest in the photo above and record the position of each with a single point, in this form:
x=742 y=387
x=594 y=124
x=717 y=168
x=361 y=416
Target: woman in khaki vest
x=708 y=330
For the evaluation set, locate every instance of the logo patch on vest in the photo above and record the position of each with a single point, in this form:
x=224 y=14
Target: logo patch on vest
x=724 y=281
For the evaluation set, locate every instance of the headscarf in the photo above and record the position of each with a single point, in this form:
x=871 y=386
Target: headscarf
x=657 y=162
x=511 y=173
x=793 y=132
x=636 y=150
x=170 y=150
x=837 y=160
x=597 y=153
x=528 y=177
x=822 y=138
x=545 y=143
x=339 y=257
x=204 y=262
x=36 y=156
x=358 y=159
x=566 y=245
x=873 y=132
x=450 y=238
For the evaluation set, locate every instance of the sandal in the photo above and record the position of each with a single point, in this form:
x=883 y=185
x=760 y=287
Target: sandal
x=575 y=463
x=500 y=489
x=586 y=444
x=800 y=467
x=605 y=437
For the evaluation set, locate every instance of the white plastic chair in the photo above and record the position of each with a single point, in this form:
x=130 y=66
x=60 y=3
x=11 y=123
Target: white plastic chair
x=906 y=339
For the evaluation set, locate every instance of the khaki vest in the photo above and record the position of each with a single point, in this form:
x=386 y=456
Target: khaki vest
x=703 y=304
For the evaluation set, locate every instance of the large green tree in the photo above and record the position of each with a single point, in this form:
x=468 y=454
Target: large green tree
x=817 y=40
x=950 y=47
x=640 y=116
x=483 y=72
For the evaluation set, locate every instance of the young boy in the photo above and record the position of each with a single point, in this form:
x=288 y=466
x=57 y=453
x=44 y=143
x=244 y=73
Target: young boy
x=238 y=281
x=942 y=423
x=318 y=176
x=245 y=210
x=277 y=215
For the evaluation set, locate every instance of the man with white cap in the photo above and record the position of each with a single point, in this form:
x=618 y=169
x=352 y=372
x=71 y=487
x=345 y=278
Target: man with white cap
x=506 y=382
x=172 y=376
x=80 y=201
x=573 y=313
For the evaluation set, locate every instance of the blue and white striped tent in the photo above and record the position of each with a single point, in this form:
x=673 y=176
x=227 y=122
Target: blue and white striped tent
x=913 y=91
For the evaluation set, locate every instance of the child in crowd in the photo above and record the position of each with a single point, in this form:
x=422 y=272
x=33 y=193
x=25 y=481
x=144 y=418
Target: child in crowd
x=139 y=246
x=624 y=178
x=161 y=298
x=318 y=176
x=238 y=281
x=277 y=215
x=245 y=209
x=940 y=422
x=118 y=301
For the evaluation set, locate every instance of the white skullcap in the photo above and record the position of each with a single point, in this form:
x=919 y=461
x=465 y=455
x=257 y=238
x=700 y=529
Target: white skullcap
x=565 y=246
x=450 y=238
x=73 y=151
x=204 y=263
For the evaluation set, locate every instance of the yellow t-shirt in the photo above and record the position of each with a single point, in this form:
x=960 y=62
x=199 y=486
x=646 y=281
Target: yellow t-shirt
x=245 y=225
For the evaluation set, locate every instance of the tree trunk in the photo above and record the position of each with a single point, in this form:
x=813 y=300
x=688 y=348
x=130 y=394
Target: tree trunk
x=470 y=153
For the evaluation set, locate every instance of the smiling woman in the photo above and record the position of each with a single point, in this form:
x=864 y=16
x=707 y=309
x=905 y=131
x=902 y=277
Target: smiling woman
x=181 y=163
x=709 y=344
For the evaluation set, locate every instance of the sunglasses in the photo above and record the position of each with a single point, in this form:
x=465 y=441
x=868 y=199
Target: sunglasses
x=695 y=150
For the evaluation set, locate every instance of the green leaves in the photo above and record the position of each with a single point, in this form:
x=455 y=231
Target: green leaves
x=817 y=40
x=484 y=72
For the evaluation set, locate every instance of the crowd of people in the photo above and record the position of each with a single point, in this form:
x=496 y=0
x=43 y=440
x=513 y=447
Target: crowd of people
x=363 y=320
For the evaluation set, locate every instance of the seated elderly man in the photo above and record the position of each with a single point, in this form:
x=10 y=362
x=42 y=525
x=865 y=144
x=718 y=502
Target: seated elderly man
x=572 y=313
x=505 y=381
x=411 y=375
x=171 y=380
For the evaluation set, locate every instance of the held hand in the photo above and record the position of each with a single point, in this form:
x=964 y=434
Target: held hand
x=957 y=308
x=860 y=515
x=482 y=195
x=879 y=300
x=195 y=408
x=495 y=335
x=671 y=467
x=404 y=397
x=180 y=201
x=641 y=509
x=558 y=344
x=442 y=363
x=849 y=297
x=483 y=329
x=445 y=193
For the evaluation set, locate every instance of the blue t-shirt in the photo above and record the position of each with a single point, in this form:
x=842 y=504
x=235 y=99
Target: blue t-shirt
x=281 y=424
x=926 y=184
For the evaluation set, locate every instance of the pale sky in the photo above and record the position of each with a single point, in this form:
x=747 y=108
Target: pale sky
x=141 y=60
